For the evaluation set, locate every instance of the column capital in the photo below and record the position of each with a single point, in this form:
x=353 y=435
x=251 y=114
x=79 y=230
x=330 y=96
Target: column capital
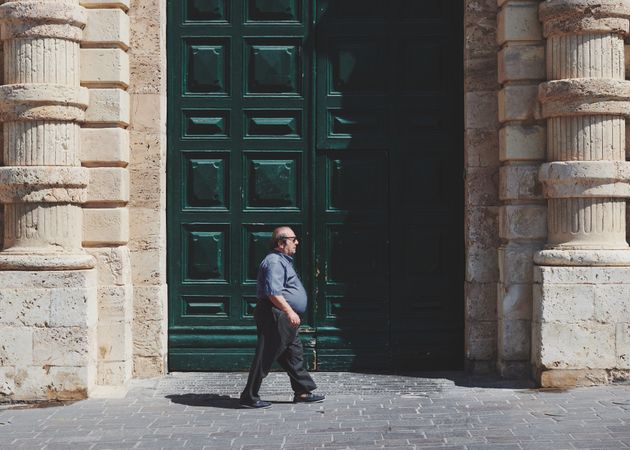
x=584 y=16
x=42 y=19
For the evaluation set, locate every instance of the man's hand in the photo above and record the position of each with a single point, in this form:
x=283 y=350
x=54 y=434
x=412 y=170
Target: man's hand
x=282 y=304
x=294 y=319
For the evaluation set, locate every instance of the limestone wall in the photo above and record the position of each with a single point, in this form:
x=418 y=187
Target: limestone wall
x=481 y=186
x=147 y=195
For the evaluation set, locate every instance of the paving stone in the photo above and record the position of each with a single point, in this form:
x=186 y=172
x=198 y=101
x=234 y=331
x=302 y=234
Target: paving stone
x=361 y=411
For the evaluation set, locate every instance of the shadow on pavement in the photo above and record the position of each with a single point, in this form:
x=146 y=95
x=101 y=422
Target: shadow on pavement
x=211 y=400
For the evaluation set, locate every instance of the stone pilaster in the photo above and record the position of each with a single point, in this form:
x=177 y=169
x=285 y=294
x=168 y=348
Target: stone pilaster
x=583 y=275
x=105 y=152
x=523 y=209
x=47 y=290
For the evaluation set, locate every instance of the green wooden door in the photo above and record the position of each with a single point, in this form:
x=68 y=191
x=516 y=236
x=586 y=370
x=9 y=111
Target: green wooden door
x=341 y=118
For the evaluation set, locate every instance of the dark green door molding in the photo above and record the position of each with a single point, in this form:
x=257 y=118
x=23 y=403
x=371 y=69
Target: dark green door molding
x=342 y=119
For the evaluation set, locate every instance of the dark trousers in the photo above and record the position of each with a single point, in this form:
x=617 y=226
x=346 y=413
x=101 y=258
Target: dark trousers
x=277 y=341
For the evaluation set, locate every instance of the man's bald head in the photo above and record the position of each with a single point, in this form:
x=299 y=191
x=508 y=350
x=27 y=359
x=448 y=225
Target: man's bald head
x=279 y=234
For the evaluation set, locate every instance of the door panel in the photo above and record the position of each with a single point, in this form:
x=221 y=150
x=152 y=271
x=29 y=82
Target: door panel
x=343 y=120
x=238 y=159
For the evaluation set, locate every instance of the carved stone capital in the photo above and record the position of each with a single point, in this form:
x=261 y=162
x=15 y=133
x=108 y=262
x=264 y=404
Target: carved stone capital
x=43 y=102
x=42 y=19
x=575 y=179
x=584 y=16
x=584 y=96
x=45 y=184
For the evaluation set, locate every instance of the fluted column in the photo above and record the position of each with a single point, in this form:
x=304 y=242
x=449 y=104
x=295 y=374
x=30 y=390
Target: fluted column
x=42 y=104
x=581 y=292
x=585 y=103
x=48 y=304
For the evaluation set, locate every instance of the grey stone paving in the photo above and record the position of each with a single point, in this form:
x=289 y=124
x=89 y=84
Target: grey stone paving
x=362 y=411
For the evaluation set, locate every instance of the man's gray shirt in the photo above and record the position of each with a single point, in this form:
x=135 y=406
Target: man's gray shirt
x=276 y=276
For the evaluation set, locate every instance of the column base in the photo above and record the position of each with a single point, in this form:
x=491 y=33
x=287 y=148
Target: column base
x=580 y=324
x=48 y=330
x=34 y=260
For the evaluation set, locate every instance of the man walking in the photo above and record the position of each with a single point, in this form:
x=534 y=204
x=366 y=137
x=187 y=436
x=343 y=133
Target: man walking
x=281 y=298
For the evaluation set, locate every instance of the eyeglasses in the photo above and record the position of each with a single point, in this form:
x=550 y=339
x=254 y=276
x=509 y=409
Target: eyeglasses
x=292 y=238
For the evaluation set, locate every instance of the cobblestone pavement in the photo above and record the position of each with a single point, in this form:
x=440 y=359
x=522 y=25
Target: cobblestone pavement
x=200 y=410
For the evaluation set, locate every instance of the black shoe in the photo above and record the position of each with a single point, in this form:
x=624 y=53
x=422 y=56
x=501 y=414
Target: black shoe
x=256 y=404
x=308 y=398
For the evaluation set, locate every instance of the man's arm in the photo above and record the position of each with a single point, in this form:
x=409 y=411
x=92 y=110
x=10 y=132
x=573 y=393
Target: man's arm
x=280 y=302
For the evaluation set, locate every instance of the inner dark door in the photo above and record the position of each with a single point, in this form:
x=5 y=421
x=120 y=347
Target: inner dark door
x=388 y=180
x=341 y=118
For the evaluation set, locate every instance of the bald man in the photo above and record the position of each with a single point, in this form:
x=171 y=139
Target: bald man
x=281 y=300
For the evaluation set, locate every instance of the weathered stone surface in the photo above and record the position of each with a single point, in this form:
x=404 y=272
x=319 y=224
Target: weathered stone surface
x=516 y=261
x=148 y=367
x=105 y=226
x=523 y=222
x=147 y=74
x=47 y=280
x=481 y=186
x=7 y=382
x=481 y=264
x=108 y=106
x=592 y=345
x=521 y=62
x=148 y=338
x=104 y=67
x=481 y=148
x=104 y=146
x=113 y=265
x=24 y=307
x=114 y=341
x=565 y=303
x=612 y=303
x=73 y=307
x=143 y=111
x=114 y=373
x=149 y=302
x=581 y=275
x=522 y=142
x=518 y=21
x=573 y=378
x=62 y=346
x=519 y=102
x=519 y=182
x=481 y=340
x=115 y=303
x=107 y=27
x=515 y=302
x=481 y=110
x=16 y=346
x=623 y=345
x=514 y=339
x=481 y=301
x=482 y=226
x=108 y=185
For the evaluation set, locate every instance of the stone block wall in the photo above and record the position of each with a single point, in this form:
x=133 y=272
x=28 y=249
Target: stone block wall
x=105 y=152
x=147 y=190
x=522 y=143
x=481 y=183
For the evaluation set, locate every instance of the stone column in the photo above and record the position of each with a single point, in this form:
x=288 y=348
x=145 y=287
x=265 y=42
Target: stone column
x=582 y=278
x=47 y=290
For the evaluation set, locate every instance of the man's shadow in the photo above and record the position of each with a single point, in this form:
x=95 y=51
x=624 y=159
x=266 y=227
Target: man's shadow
x=213 y=401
